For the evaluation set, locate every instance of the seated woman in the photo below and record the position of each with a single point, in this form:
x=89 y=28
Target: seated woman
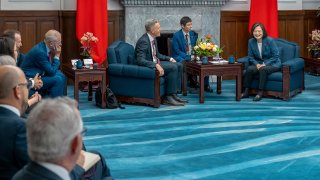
x=8 y=56
x=264 y=59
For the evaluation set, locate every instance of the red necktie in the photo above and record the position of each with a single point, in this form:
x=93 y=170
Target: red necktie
x=154 y=52
x=187 y=44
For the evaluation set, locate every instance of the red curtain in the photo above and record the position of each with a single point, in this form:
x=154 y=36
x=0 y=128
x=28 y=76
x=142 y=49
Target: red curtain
x=266 y=12
x=92 y=16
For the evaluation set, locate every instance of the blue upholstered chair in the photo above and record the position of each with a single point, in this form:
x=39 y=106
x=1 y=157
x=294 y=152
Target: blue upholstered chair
x=290 y=80
x=132 y=83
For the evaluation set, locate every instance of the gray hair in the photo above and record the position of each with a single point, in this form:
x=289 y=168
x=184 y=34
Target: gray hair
x=150 y=23
x=51 y=127
x=7 y=60
x=52 y=35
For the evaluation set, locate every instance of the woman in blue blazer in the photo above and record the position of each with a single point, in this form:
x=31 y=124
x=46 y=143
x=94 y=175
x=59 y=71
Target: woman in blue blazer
x=264 y=59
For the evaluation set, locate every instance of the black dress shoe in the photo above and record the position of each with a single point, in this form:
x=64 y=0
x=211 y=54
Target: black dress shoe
x=257 y=98
x=169 y=100
x=244 y=95
x=177 y=98
x=208 y=88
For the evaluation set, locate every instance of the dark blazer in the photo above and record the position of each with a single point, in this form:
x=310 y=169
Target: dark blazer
x=179 y=44
x=13 y=148
x=143 y=52
x=20 y=59
x=37 y=61
x=270 y=52
x=34 y=171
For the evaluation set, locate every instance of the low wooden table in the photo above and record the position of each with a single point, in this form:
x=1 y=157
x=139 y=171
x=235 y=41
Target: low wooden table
x=219 y=70
x=312 y=66
x=90 y=75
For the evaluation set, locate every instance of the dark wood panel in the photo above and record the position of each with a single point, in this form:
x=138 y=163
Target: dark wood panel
x=293 y=26
x=34 y=24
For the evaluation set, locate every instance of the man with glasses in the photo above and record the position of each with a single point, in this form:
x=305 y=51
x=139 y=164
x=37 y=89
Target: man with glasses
x=13 y=103
x=44 y=59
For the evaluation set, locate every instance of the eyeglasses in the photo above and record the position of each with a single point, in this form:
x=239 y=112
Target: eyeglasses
x=28 y=85
x=84 y=131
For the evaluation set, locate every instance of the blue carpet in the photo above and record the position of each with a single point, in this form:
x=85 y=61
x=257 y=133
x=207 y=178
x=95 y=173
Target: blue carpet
x=220 y=139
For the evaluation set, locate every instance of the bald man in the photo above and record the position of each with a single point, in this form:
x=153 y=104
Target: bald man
x=13 y=103
x=44 y=58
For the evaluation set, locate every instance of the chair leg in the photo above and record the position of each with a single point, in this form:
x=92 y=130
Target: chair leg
x=285 y=83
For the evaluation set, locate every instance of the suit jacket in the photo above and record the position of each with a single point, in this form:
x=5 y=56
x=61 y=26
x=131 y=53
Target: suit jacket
x=143 y=52
x=37 y=61
x=35 y=171
x=20 y=59
x=179 y=44
x=13 y=150
x=270 y=52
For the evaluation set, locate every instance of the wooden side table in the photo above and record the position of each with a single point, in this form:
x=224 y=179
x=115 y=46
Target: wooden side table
x=89 y=75
x=312 y=66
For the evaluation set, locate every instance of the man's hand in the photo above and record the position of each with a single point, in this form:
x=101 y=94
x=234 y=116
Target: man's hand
x=57 y=50
x=81 y=159
x=160 y=69
x=260 y=66
x=34 y=99
x=37 y=81
x=172 y=60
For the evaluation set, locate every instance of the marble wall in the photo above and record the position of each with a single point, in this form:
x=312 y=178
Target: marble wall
x=205 y=16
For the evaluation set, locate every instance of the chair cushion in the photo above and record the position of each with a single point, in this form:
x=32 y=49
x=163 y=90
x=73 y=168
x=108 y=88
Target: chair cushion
x=133 y=71
x=123 y=51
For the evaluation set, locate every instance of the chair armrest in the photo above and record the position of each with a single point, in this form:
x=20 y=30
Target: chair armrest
x=295 y=64
x=133 y=71
x=245 y=61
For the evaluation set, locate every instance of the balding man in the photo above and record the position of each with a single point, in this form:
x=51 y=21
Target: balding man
x=44 y=58
x=13 y=103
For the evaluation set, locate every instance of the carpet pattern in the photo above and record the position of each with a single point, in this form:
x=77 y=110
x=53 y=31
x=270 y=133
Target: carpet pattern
x=220 y=139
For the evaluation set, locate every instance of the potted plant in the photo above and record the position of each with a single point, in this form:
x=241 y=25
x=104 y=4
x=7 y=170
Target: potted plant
x=205 y=47
x=314 y=46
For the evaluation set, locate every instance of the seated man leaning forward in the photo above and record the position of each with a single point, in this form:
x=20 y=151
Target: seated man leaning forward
x=44 y=58
x=147 y=54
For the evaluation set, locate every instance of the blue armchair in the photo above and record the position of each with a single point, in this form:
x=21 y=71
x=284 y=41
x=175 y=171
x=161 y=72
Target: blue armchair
x=132 y=83
x=290 y=80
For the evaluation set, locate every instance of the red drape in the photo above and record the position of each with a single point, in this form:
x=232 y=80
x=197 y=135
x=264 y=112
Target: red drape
x=266 y=12
x=92 y=16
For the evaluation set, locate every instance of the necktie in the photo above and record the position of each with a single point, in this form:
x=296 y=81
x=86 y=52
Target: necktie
x=154 y=52
x=50 y=57
x=187 y=44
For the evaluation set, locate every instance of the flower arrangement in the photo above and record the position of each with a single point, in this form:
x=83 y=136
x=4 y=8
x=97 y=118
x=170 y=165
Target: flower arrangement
x=205 y=47
x=315 y=40
x=88 y=41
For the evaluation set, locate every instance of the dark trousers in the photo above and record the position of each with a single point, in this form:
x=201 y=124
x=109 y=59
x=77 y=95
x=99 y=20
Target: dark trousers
x=262 y=72
x=54 y=84
x=171 y=76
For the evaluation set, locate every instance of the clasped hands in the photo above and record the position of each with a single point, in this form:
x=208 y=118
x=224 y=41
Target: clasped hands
x=37 y=81
x=260 y=66
x=160 y=69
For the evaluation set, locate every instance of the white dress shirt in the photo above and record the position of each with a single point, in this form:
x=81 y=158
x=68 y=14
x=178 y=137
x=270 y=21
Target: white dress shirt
x=58 y=170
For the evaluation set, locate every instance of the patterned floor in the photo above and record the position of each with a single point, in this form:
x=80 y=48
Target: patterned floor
x=221 y=139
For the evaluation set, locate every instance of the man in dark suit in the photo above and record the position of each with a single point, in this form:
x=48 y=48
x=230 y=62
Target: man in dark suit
x=44 y=59
x=183 y=42
x=13 y=103
x=54 y=133
x=147 y=54
x=16 y=35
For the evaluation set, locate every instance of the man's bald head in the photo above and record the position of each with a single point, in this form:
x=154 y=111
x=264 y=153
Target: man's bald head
x=52 y=36
x=10 y=76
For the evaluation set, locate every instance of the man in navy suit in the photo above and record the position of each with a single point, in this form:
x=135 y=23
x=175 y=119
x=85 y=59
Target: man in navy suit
x=183 y=42
x=13 y=103
x=147 y=54
x=44 y=59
